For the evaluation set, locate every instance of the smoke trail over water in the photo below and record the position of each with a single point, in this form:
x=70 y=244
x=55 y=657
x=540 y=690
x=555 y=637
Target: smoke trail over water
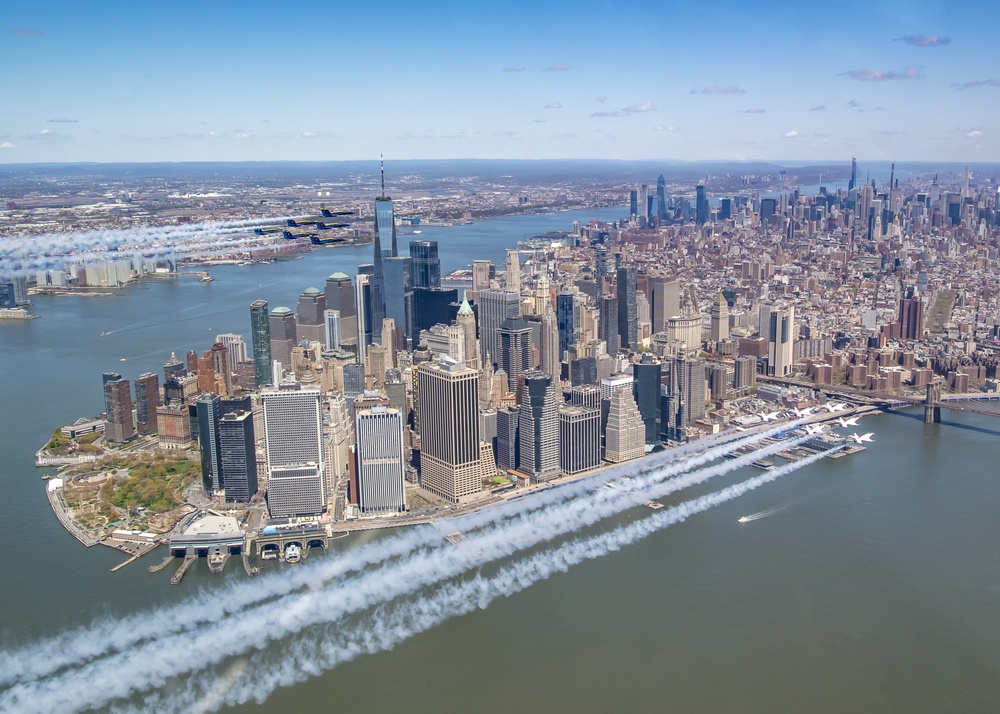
x=89 y=676
x=392 y=625
x=23 y=256
x=119 y=635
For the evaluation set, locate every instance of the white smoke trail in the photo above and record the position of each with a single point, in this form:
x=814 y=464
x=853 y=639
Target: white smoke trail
x=150 y=664
x=55 y=250
x=310 y=656
x=88 y=643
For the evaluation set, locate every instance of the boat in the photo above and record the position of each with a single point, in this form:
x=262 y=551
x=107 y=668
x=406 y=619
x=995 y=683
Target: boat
x=744 y=519
x=762 y=464
x=293 y=553
x=105 y=334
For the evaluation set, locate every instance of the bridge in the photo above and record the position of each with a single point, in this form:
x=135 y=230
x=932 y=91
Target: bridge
x=935 y=398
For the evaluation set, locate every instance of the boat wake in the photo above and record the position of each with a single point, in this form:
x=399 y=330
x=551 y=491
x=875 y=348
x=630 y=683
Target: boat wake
x=763 y=514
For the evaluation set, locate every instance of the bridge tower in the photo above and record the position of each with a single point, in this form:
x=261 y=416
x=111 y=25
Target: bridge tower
x=932 y=404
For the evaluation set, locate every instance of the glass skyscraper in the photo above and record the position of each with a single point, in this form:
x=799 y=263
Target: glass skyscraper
x=260 y=333
x=426 y=264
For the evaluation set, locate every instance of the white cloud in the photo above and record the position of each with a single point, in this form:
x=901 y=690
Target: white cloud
x=553 y=105
x=791 y=134
x=8 y=145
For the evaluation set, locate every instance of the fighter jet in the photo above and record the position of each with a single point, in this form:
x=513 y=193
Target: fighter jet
x=848 y=421
x=861 y=438
x=815 y=428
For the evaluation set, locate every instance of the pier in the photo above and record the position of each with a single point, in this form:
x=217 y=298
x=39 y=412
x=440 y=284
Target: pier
x=189 y=559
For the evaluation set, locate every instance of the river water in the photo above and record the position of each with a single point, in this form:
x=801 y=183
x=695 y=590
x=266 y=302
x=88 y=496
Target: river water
x=866 y=583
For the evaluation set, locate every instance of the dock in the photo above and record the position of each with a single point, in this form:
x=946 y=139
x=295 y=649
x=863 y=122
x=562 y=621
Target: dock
x=189 y=558
x=161 y=565
x=124 y=563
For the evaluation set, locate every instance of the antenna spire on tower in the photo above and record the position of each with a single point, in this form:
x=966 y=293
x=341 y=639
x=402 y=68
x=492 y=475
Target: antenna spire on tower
x=381 y=158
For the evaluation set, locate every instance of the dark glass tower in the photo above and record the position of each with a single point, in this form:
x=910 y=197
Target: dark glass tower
x=147 y=399
x=701 y=204
x=209 y=413
x=385 y=232
x=426 y=264
x=398 y=273
x=628 y=316
x=608 y=326
x=600 y=267
x=238 y=456
x=661 y=198
x=565 y=321
x=260 y=333
x=646 y=390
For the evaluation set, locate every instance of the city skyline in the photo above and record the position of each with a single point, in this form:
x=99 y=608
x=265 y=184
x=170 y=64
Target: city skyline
x=152 y=83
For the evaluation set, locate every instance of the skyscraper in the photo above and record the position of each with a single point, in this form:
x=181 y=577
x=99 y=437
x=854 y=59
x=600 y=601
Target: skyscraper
x=495 y=306
x=398 y=272
x=209 y=413
x=450 y=463
x=340 y=297
x=720 y=319
x=600 y=268
x=661 y=199
x=624 y=436
x=514 y=355
x=579 y=439
x=363 y=299
x=385 y=233
x=608 y=326
x=566 y=321
x=911 y=318
x=507 y=439
x=147 y=399
x=118 y=424
x=482 y=275
x=260 y=333
x=380 y=467
x=236 y=348
x=538 y=429
x=683 y=396
x=646 y=390
x=628 y=316
x=426 y=264
x=309 y=321
x=332 y=327
x=548 y=346
x=238 y=456
x=512 y=278
x=664 y=301
x=780 y=326
x=292 y=426
x=466 y=322
x=296 y=464
x=701 y=204
x=282 y=327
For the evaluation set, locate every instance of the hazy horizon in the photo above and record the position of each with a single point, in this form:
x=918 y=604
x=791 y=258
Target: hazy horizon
x=311 y=81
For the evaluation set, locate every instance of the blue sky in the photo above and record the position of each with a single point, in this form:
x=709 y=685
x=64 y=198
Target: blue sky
x=225 y=80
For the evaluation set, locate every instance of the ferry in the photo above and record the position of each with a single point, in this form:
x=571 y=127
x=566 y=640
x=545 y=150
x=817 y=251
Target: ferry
x=293 y=553
x=762 y=464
